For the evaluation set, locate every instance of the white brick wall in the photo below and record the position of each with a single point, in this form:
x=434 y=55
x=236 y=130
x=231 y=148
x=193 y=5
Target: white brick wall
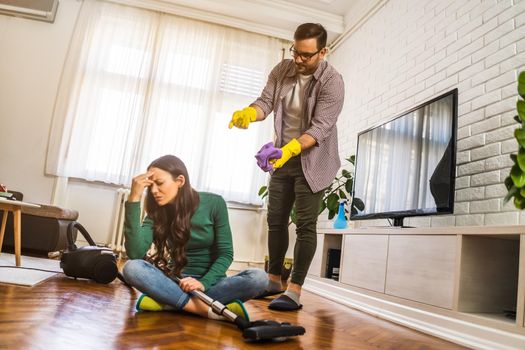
x=413 y=50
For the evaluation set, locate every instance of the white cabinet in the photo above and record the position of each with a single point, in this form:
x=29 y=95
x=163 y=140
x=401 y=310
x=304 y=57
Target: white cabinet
x=363 y=263
x=488 y=279
x=320 y=260
x=422 y=268
x=466 y=284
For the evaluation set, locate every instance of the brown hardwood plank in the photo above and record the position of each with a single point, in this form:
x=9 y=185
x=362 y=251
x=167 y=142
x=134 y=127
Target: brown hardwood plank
x=63 y=313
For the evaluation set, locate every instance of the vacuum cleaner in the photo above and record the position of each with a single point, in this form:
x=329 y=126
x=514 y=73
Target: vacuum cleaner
x=255 y=330
x=91 y=262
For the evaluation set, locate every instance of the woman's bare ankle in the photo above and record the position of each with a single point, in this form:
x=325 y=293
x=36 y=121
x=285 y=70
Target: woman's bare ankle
x=275 y=278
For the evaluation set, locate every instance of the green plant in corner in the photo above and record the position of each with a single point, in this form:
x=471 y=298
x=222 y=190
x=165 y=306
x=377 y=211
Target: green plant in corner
x=341 y=188
x=515 y=182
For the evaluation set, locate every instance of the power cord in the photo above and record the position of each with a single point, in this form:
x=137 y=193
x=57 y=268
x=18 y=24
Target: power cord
x=28 y=268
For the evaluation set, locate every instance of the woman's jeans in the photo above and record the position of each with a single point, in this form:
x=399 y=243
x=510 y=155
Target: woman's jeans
x=151 y=281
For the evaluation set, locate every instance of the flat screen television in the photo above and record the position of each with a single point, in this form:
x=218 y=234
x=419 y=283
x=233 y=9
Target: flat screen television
x=406 y=166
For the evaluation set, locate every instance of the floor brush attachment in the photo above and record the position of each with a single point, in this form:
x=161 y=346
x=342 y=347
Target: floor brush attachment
x=267 y=330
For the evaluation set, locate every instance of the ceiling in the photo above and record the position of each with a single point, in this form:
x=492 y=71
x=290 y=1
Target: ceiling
x=277 y=18
x=336 y=7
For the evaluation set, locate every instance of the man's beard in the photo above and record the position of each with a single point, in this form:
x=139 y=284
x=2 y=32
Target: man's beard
x=303 y=69
x=300 y=67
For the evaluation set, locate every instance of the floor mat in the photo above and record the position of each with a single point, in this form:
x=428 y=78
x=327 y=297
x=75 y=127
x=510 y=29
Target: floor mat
x=11 y=274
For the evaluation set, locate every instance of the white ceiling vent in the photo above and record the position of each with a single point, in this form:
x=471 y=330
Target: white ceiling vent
x=42 y=10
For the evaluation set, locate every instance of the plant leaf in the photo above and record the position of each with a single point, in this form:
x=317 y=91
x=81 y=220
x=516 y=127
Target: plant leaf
x=332 y=202
x=323 y=206
x=351 y=159
x=520 y=159
x=519 y=134
x=508 y=183
x=514 y=158
x=262 y=190
x=342 y=194
x=348 y=185
x=358 y=204
x=516 y=118
x=347 y=174
x=520 y=106
x=519 y=201
x=518 y=177
x=512 y=192
x=293 y=215
x=331 y=214
x=354 y=211
x=521 y=84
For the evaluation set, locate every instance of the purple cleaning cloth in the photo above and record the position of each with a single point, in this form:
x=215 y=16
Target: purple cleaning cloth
x=267 y=152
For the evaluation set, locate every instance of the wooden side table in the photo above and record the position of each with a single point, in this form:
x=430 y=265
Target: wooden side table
x=16 y=208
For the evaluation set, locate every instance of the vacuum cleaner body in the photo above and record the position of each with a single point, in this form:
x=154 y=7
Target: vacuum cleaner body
x=92 y=262
x=98 y=264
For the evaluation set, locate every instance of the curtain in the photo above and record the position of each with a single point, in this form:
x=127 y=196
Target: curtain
x=139 y=84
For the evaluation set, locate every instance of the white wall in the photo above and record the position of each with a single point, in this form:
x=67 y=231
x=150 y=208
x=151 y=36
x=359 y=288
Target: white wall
x=412 y=50
x=32 y=54
x=31 y=57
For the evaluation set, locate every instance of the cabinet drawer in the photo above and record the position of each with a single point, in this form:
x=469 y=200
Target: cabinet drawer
x=364 y=262
x=422 y=268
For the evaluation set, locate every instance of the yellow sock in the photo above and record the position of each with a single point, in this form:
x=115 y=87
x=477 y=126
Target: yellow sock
x=237 y=307
x=146 y=303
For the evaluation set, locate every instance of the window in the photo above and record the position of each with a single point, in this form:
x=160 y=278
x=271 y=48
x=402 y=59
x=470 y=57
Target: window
x=139 y=84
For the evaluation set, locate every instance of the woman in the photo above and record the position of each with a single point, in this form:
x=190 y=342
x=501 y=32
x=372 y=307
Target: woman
x=185 y=233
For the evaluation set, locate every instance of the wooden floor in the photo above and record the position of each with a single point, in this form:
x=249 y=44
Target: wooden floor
x=62 y=313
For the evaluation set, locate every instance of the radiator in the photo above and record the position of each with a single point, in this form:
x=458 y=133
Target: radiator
x=117 y=236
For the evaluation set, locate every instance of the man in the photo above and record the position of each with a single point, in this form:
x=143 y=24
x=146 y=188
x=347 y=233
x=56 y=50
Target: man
x=306 y=96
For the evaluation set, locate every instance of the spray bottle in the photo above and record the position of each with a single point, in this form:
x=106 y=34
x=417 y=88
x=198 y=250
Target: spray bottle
x=340 y=221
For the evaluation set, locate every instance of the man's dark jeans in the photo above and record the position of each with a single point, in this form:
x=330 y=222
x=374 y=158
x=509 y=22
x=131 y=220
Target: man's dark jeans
x=288 y=186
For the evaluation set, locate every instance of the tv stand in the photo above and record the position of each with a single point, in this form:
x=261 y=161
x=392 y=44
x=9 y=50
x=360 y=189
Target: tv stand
x=398 y=222
x=458 y=283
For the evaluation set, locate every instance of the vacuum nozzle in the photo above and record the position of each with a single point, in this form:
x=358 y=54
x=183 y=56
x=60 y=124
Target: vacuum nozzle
x=271 y=330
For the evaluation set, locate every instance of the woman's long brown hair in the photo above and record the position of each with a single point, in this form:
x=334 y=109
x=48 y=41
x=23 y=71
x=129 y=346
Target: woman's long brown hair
x=172 y=222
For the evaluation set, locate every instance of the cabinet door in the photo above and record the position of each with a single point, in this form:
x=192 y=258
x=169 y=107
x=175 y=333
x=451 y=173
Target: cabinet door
x=422 y=268
x=364 y=261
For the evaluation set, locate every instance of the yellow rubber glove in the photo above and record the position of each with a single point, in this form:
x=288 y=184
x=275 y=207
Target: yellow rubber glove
x=291 y=149
x=243 y=118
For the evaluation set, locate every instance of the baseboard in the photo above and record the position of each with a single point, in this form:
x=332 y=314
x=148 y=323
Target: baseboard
x=454 y=330
x=243 y=265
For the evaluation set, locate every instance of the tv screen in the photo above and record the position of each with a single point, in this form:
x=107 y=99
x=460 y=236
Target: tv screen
x=406 y=166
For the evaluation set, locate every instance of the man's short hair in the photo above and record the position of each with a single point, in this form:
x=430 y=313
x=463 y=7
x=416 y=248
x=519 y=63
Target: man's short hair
x=309 y=31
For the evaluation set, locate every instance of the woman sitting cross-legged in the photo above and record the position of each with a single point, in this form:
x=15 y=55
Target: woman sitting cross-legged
x=185 y=234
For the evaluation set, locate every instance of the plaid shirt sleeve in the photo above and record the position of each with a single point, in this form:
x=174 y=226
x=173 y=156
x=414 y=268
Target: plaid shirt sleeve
x=267 y=98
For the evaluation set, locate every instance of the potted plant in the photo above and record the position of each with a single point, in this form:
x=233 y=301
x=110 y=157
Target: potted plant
x=515 y=182
x=341 y=188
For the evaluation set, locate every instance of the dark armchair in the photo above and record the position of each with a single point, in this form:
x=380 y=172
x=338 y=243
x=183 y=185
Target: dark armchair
x=44 y=229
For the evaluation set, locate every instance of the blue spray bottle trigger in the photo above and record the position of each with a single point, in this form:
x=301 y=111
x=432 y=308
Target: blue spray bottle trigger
x=340 y=221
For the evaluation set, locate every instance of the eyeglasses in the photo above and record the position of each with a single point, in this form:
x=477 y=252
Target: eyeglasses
x=304 y=56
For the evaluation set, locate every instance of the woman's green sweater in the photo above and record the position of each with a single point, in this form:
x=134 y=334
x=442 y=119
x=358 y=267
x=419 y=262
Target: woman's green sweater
x=209 y=249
